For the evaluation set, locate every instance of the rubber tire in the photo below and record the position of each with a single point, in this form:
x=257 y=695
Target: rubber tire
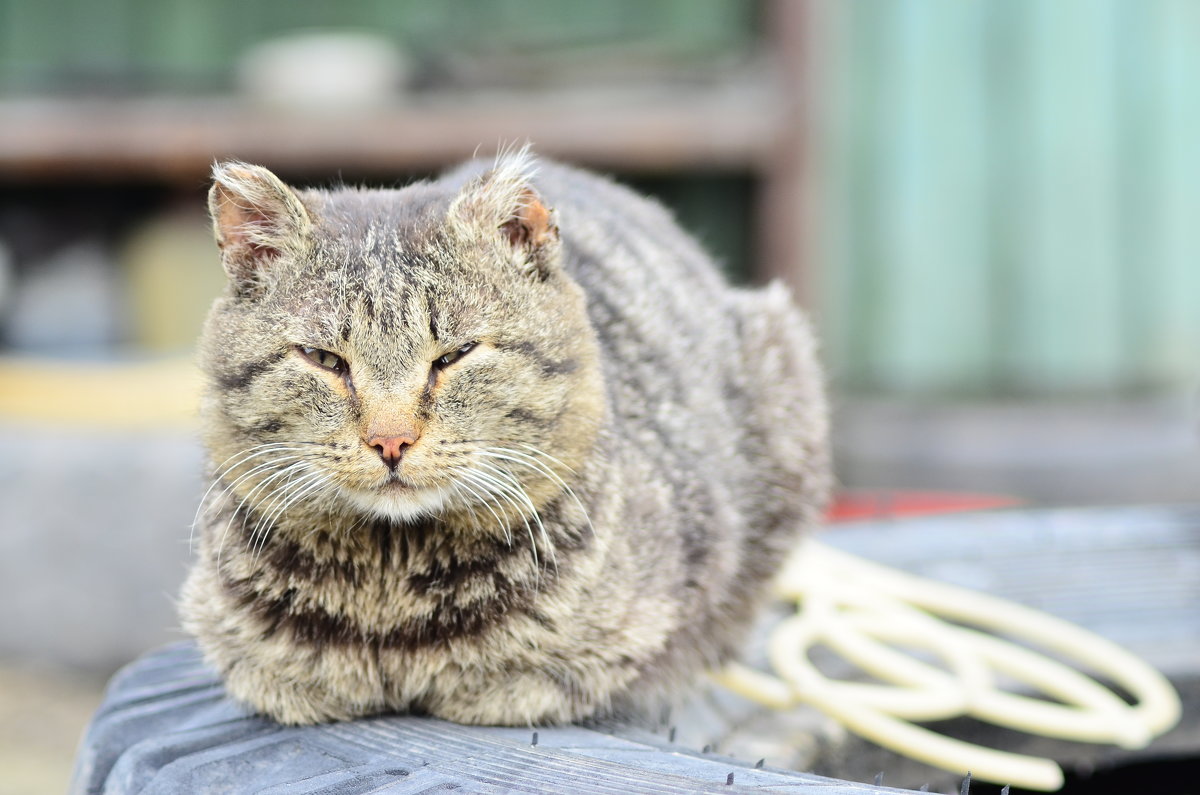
x=167 y=726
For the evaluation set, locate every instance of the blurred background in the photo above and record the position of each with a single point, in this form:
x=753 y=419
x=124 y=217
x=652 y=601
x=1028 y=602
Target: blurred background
x=991 y=209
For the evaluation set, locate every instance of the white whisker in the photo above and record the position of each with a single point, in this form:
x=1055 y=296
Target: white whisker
x=458 y=487
x=498 y=490
x=501 y=490
x=486 y=504
x=518 y=491
x=301 y=472
x=315 y=481
x=530 y=462
x=546 y=455
x=225 y=467
x=254 y=490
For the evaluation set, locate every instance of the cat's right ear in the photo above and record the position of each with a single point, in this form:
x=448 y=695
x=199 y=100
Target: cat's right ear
x=256 y=218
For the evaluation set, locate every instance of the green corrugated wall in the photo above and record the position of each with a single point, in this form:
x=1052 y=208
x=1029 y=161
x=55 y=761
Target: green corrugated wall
x=1007 y=195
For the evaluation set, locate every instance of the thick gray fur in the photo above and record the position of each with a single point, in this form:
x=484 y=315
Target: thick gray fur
x=665 y=434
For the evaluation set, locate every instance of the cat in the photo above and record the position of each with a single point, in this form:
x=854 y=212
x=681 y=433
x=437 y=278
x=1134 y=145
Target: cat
x=501 y=447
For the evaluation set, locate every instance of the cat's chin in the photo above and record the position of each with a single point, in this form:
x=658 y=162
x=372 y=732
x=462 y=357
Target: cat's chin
x=400 y=504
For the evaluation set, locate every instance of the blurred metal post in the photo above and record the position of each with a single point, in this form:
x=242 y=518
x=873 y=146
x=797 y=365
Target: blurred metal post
x=780 y=213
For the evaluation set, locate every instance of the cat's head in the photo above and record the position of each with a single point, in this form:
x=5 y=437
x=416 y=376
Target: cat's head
x=396 y=353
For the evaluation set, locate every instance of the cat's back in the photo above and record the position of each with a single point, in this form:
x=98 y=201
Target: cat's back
x=665 y=318
x=614 y=237
x=716 y=387
x=723 y=381
x=725 y=377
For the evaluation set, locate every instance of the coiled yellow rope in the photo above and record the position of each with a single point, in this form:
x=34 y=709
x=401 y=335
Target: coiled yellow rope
x=859 y=609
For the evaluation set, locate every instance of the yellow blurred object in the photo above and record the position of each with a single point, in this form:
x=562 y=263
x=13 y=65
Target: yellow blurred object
x=129 y=394
x=173 y=272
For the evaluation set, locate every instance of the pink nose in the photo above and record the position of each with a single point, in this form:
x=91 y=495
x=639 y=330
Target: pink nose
x=392 y=448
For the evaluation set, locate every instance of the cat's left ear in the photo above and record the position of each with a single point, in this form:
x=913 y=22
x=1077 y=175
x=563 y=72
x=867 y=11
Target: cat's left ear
x=503 y=202
x=532 y=233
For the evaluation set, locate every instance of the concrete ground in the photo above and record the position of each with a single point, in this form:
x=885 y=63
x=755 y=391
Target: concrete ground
x=42 y=717
x=1054 y=453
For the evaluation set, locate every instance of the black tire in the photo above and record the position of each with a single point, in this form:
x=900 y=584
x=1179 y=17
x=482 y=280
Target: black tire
x=166 y=726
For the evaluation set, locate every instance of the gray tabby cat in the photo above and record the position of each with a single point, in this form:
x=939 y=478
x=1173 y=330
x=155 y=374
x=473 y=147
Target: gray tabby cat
x=487 y=460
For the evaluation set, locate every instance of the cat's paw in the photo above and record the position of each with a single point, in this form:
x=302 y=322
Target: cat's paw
x=299 y=694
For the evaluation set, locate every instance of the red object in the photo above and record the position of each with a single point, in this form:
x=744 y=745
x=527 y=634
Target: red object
x=849 y=506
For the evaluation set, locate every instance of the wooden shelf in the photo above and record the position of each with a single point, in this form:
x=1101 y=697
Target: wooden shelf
x=752 y=123
x=179 y=139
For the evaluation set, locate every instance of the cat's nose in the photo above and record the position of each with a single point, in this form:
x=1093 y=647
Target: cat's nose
x=392 y=448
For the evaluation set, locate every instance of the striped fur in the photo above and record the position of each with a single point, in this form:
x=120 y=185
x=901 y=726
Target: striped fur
x=600 y=487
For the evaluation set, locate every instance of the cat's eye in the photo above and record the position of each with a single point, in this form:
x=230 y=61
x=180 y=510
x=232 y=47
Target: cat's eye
x=323 y=358
x=453 y=356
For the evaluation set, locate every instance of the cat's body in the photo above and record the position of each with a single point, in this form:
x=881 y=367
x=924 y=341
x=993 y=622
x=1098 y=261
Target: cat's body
x=668 y=429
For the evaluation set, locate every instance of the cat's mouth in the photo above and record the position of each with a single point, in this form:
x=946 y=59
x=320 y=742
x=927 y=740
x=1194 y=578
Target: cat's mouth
x=396 y=484
x=399 y=498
